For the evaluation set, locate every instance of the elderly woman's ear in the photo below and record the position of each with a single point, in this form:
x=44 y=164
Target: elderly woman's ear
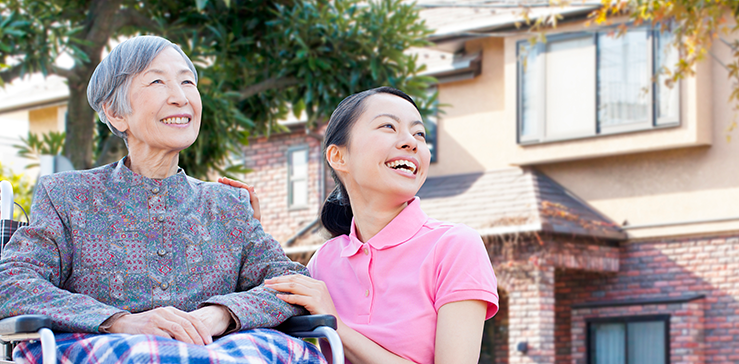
x=117 y=121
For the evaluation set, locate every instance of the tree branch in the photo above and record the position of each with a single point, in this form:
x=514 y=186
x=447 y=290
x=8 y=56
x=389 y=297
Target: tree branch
x=269 y=84
x=10 y=74
x=101 y=16
x=63 y=72
x=130 y=17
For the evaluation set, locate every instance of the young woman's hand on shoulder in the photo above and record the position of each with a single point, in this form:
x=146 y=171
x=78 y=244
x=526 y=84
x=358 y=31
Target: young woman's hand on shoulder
x=253 y=199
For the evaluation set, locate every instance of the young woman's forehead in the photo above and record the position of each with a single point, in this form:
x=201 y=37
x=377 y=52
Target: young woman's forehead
x=391 y=106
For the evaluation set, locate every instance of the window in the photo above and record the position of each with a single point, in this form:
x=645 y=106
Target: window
x=629 y=340
x=297 y=177
x=431 y=139
x=585 y=84
x=431 y=124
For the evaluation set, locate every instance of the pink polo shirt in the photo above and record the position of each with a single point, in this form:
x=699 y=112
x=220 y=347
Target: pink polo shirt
x=390 y=289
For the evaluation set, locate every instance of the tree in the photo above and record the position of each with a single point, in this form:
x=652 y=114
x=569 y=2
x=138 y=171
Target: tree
x=257 y=60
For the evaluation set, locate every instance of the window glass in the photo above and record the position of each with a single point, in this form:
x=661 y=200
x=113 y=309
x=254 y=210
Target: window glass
x=624 y=78
x=431 y=141
x=646 y=342
x=299 y=193
x=584 y=84
x=668 y=98
x=609 y=344
x=528 y=89
x=570 y=97
x=431 y=123
x=631 y=342
x=297 y=161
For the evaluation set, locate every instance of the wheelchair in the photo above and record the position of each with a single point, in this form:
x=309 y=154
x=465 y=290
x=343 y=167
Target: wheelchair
x=38 y=327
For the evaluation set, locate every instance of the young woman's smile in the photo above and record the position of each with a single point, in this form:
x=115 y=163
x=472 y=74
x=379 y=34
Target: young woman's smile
x=407 y=166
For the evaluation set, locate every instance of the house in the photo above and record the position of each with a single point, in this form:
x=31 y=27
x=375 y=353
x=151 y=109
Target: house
x=34 y=104
x=607 y=200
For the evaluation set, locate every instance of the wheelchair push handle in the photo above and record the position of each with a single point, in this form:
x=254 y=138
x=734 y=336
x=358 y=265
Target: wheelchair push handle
x=6 y=200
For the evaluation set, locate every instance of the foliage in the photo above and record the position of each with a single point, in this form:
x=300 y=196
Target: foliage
x=22 y=190
x=301 y=58
x=51 y=143
x=258 y=60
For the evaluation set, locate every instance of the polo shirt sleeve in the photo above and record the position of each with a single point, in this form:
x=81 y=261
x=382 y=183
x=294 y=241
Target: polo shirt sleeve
x=464 y=271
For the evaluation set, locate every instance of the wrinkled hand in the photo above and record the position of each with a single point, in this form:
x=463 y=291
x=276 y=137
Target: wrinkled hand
x=215 y=317
x=253 y=199
x=307 y=292
x=165 y=322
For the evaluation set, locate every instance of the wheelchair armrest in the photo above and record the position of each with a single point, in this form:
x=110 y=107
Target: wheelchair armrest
x=306 y=323
x=24 y=324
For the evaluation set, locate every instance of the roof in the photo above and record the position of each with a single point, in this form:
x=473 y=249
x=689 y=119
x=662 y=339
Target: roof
x=454 y=22
x=33 y=91
x=450 y=67
x=513 y=200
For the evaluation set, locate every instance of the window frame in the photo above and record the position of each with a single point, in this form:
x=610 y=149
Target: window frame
x=625 y=320
x=655 y=122
x=431 y=125
x=290 y=179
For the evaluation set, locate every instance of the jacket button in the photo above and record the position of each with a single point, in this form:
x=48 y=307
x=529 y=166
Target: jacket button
x=162 y=252
x=164 y=286
x=160 y=218
x=155 y=190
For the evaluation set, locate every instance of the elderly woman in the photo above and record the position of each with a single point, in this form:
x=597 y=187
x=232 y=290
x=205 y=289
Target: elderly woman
x=137 y=246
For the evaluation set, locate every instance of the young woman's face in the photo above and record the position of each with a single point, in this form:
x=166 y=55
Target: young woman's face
x=387 y=149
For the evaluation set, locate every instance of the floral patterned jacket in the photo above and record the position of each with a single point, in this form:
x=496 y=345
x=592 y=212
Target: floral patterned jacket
x=108 y=240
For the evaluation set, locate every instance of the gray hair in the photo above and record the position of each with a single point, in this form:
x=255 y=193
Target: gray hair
x=111 y=80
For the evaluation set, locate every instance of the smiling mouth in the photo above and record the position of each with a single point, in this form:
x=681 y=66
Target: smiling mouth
x=176 y=120
x=402 y=165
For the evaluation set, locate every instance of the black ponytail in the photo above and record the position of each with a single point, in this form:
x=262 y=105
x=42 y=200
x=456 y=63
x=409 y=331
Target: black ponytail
x=336 y=213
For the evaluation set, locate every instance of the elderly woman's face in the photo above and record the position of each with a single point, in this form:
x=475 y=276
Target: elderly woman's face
x=166 y=106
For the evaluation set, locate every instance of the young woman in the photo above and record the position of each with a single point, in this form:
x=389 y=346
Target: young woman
x=404 y=287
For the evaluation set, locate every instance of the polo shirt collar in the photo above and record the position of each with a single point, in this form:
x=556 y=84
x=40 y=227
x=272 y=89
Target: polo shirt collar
x=401 y=229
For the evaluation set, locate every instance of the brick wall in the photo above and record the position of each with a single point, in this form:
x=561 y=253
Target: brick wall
x=267 y=157
x=528 y=282
x=531 y=317
x=653 y=269
x=685 y=328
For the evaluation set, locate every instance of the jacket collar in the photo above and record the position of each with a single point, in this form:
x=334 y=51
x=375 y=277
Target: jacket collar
x=123 y=174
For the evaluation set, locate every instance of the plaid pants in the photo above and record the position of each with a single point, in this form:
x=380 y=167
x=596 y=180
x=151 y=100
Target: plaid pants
x=250 y=346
